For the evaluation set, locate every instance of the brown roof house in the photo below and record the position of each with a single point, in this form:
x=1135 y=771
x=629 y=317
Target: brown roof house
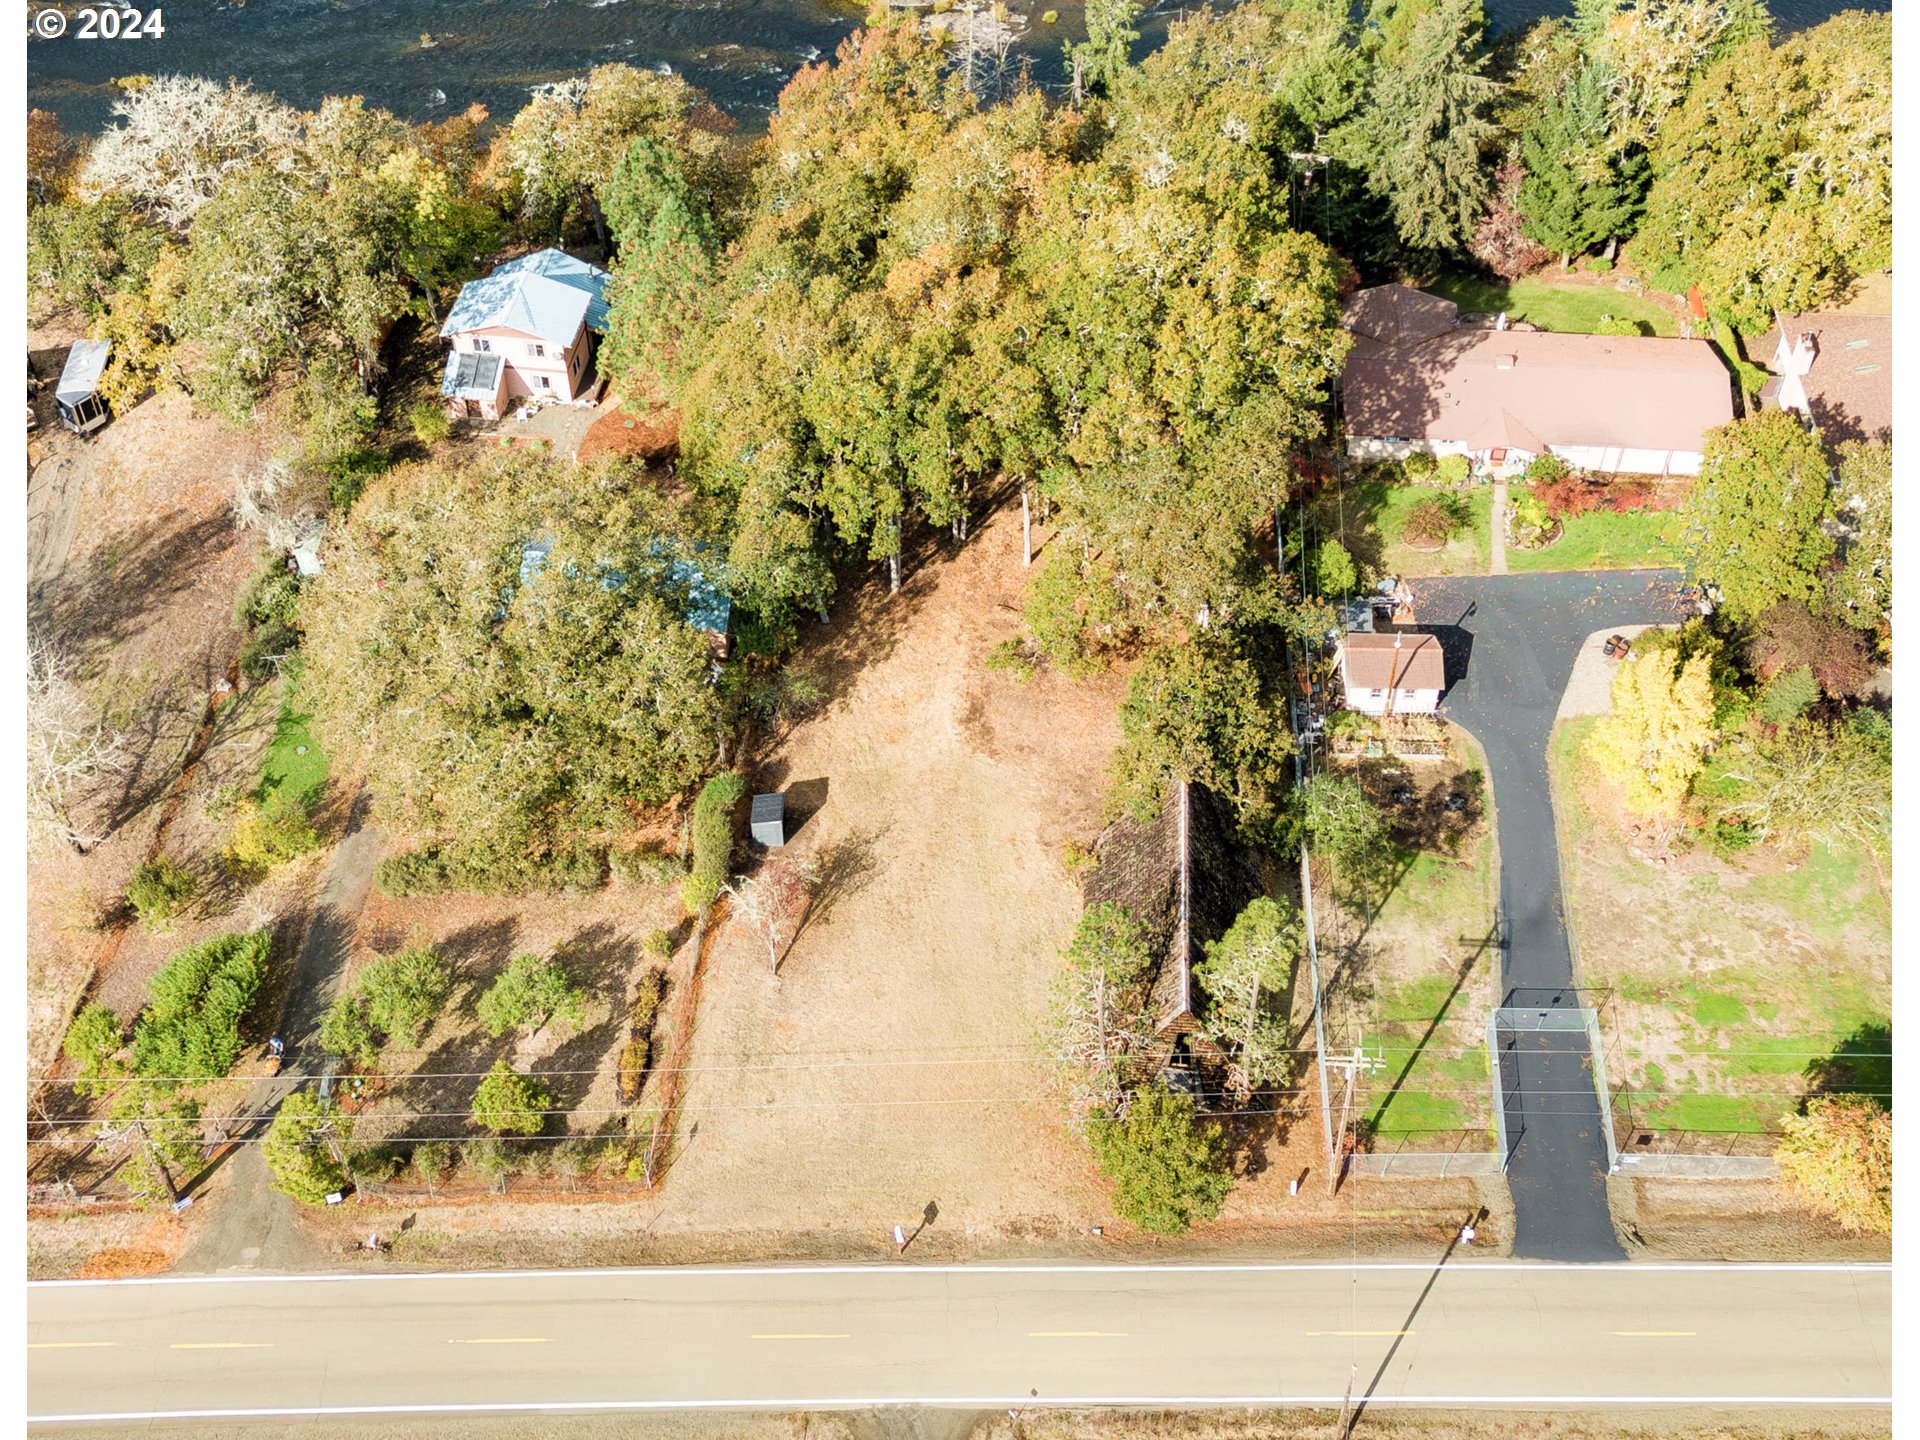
x=1416 y=379
x=1398 y=672
x=1837 y=370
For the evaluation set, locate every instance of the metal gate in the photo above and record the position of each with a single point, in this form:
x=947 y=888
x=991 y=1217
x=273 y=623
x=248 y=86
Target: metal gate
x=1507 y=1028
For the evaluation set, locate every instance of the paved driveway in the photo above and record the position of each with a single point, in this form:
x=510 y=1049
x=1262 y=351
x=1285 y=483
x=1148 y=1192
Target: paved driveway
x=1510 y=643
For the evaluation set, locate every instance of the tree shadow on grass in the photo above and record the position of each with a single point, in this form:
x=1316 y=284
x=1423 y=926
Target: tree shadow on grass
x=601 y=960
x=1861 y=1065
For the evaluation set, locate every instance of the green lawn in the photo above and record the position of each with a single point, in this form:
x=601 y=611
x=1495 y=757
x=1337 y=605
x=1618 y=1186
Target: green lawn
x=295 y=762
x=1430 y=1029
x=1538 y=301
x=1734 y=987
x=1370 y=517
x=1602 y=540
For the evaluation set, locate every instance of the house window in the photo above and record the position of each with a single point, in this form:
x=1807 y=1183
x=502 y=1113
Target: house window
x=545 y=383
x=1376 y=694
x=538 y=349
x=480 y=342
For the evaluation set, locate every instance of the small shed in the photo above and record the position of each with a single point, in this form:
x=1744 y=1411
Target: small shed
x=77 y=395
x=768 y=821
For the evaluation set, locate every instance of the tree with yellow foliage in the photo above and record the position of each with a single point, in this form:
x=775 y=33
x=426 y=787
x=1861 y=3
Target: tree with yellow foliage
x=1660 y=730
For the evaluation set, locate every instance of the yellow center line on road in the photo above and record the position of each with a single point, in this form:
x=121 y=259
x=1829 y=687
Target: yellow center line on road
x=802 y=1337
x=504 y=1340
x=70 y=1344
x=1658 y=1334
x=1360 y=1332
x=221 y=1345
x=1076 y=1334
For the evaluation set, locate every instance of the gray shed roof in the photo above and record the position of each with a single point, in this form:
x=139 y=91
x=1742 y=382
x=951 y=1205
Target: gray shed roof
x=547 y=293
x=471 y=376
x=81 y=375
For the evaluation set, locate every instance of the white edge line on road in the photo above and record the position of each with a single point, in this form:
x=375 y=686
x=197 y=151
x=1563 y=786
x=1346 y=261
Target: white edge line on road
x=967 y=1402
x=764 y=1272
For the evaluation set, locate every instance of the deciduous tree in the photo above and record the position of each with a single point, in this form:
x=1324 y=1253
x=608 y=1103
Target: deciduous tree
x=774 y=903
x=1247 y=978
x=1839 y=1155
x=1100 y=1009
x=1756 y=516
x=530 y=993
x=1660 y=729
x=180 y=138
x=70 y=750
x=1168 y=1166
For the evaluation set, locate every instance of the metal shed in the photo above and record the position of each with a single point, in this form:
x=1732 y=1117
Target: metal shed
x=77 y=395
x=769 y=819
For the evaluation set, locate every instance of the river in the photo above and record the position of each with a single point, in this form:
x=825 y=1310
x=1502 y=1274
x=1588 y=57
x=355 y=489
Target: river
x=741 y=52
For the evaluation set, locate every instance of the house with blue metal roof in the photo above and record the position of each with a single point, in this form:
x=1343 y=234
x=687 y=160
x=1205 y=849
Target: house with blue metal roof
x=529 y=329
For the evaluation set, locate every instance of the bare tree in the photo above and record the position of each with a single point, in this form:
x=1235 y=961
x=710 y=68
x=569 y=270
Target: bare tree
x=180 y=137
x=774 y=902
x=278 y=501
x=69 y=747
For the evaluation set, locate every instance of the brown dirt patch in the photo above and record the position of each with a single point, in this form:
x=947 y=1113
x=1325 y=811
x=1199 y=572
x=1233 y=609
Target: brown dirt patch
x=652 y=437
x=1746 y=1220
x=143 y=605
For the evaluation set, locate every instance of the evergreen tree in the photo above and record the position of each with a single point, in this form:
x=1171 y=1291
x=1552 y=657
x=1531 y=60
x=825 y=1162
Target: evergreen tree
x=1168 y=1167
x=1575 y=193
x=1423 y=132
x=1104 y=55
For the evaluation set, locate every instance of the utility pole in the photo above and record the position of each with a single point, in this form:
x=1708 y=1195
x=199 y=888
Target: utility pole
x=1351 y=1065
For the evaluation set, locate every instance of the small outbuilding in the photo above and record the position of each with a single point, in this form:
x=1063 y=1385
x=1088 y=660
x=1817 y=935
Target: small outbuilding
x=77 y=395
x=768 y=820
x=1400 y=672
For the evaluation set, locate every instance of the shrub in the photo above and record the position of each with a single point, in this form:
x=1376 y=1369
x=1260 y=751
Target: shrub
x=485 y=870
x=635 y=1056
x=1788 y=696
x=646 y=1001
x=372 y=1165
x=1433 y=522
x=1452 y=469
x=1335 y=575
x=345 y=1031
x=1168 y=1170
x=1569 y=496
x=267 y=650
x=297 y=1151
x=1620 y=325
x=430 y=422
x=1529 y=514
x=1546 y=467
x=93 y=1039
x=404 y=992
x=643 y=865
x=430 y=1160
x=712 y=824
x=1840 y=1156
x=509 y=1103
x=1332 y=814
x=658 y=945
x=1599 y=264
x=1418 y=467
x=272 y=596
x=160 y=890
x=192 y=1028
x=1014 y=659
x=1791 y=635
x=487 y=1157
x=270 y=833
x=528 y=994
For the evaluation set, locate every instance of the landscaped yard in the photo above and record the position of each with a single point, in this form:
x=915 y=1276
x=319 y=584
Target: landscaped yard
x=1416 y=929
x=1734 y=984
x=1575 y=306
x=1369 y=517
x=1603 y=540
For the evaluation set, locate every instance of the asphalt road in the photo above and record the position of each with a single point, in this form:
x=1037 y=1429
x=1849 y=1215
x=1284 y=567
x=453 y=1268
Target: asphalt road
x=1457 y=1332
x=1510 y=643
